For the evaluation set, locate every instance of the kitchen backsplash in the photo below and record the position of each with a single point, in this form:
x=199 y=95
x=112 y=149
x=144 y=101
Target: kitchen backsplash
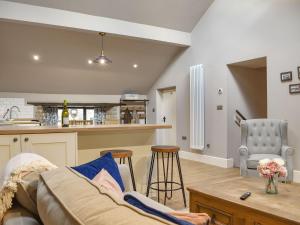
x=26 y=111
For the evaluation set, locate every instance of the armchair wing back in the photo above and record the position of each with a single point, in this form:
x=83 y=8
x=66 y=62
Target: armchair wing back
x=264 y=138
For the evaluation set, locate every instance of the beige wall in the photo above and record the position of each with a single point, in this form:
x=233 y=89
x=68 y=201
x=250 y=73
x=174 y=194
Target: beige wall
x=233 y=31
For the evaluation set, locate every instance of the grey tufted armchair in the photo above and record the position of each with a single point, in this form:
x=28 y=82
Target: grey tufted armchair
x=264 y=138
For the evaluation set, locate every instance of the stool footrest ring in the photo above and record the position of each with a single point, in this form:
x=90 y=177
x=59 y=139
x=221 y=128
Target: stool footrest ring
x=163 y=190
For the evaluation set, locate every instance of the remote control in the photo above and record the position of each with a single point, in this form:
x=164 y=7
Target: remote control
x=245 y=195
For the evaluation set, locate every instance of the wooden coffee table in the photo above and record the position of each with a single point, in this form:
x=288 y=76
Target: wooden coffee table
x=221 y=200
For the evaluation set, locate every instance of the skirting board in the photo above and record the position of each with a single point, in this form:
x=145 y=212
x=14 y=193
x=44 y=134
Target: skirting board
x=297 y=176
x=211 y=160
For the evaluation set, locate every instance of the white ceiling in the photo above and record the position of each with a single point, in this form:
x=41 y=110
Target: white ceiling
x=63 y=68
x=180 y=15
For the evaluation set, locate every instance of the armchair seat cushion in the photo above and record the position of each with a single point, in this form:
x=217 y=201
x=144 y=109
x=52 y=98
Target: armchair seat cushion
x=252 y=161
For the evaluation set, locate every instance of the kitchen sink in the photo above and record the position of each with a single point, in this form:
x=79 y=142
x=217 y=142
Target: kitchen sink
x=19 y=123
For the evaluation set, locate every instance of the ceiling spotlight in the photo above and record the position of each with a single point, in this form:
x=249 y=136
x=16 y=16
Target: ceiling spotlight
x=36 y=57
x=102 y=59
x=90 y=61
x=135 y=66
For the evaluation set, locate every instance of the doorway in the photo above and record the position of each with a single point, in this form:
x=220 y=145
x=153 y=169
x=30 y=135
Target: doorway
x=166 y=114
x=247 y=97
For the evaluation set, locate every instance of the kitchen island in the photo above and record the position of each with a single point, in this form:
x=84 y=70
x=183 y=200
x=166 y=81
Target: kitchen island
x=79 y=144
x=22 y=129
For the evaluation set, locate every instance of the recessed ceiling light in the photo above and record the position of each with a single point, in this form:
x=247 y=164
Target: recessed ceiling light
x=36 y=57
x=90 y=61
x=135 y=66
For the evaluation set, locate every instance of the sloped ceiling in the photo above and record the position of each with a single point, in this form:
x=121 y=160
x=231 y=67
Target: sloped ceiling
x=174 y=14
x=63 y=67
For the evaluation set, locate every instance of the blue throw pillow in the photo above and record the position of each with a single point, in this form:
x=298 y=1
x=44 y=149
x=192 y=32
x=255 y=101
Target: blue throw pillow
x=91 y=169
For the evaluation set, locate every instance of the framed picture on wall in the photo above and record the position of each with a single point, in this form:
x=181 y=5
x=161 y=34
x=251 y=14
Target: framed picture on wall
x=299 y=72
x=294 y=88
x=286 y=76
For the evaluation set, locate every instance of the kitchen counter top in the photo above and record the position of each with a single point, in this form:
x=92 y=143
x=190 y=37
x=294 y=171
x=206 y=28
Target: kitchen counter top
x=13 y=129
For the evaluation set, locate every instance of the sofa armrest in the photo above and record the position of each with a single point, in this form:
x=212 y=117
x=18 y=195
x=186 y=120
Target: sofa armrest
x=287 y=153
x=126 y=177
x=244 y=151
x=244 y=154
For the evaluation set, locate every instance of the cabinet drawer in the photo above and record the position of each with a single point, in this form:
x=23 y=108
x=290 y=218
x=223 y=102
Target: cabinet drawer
x=218 y=217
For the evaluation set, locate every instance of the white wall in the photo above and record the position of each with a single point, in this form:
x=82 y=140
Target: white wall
x=233 y=31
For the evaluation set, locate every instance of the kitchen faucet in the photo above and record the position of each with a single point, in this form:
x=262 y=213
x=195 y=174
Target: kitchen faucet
x=11 y=110
x=5 y=114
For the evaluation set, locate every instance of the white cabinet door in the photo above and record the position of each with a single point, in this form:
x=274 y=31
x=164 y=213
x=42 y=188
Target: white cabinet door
x=58 y=148
x=9 y=147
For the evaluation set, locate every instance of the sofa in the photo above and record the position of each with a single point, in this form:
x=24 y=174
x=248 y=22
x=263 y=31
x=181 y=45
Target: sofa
x=261 y=139
x=64 y=195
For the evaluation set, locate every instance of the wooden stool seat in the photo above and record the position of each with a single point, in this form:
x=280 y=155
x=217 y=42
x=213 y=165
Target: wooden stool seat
x=118 y=153
x=122 y=154
x=165 y=148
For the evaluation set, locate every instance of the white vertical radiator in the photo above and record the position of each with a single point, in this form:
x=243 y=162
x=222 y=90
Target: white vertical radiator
x=197 y=107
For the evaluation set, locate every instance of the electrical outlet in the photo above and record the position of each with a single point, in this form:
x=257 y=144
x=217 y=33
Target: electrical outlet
x=219 y=107
x=184 y=138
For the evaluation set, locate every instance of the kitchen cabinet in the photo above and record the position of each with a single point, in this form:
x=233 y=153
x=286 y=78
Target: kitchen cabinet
x=58 y=148
x=10 y=146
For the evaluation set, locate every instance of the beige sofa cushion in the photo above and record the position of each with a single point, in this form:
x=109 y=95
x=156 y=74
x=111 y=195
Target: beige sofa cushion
x=64 y=196
x=27 y=190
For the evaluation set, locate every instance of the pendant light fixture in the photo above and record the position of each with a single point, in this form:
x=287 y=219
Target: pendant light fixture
x=102 y=59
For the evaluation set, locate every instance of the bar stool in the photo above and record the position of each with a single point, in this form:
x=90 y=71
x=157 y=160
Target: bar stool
x=170 y=151
x=122 y=154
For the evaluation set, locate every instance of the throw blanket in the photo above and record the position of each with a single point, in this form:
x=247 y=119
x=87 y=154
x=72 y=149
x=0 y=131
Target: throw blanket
x=13 y=175
x=180 y=218
x=137 y=203
x=194 y=218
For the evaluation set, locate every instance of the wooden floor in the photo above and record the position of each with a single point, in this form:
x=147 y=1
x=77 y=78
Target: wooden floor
x=195 y=173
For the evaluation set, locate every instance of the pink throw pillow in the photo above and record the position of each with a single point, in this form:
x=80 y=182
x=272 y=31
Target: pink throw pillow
x=104 y=179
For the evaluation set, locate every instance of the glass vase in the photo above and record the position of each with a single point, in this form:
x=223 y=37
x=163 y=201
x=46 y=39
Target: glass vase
x=272 y=184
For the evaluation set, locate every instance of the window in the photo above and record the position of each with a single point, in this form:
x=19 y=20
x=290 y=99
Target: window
x=78 y=113
x=90 y=113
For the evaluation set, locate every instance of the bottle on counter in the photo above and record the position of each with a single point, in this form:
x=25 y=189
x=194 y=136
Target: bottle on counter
x=65 y=115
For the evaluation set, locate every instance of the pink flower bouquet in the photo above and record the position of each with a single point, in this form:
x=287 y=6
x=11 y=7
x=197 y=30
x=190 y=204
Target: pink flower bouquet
x=271 y=170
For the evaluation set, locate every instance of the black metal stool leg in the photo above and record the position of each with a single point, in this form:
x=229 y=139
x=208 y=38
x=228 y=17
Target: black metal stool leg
x=157 y=168
x=172 y=167
x=166 y=179
x=131 y=173
x=163 y=162
x=150 y=173
x=180 y=176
